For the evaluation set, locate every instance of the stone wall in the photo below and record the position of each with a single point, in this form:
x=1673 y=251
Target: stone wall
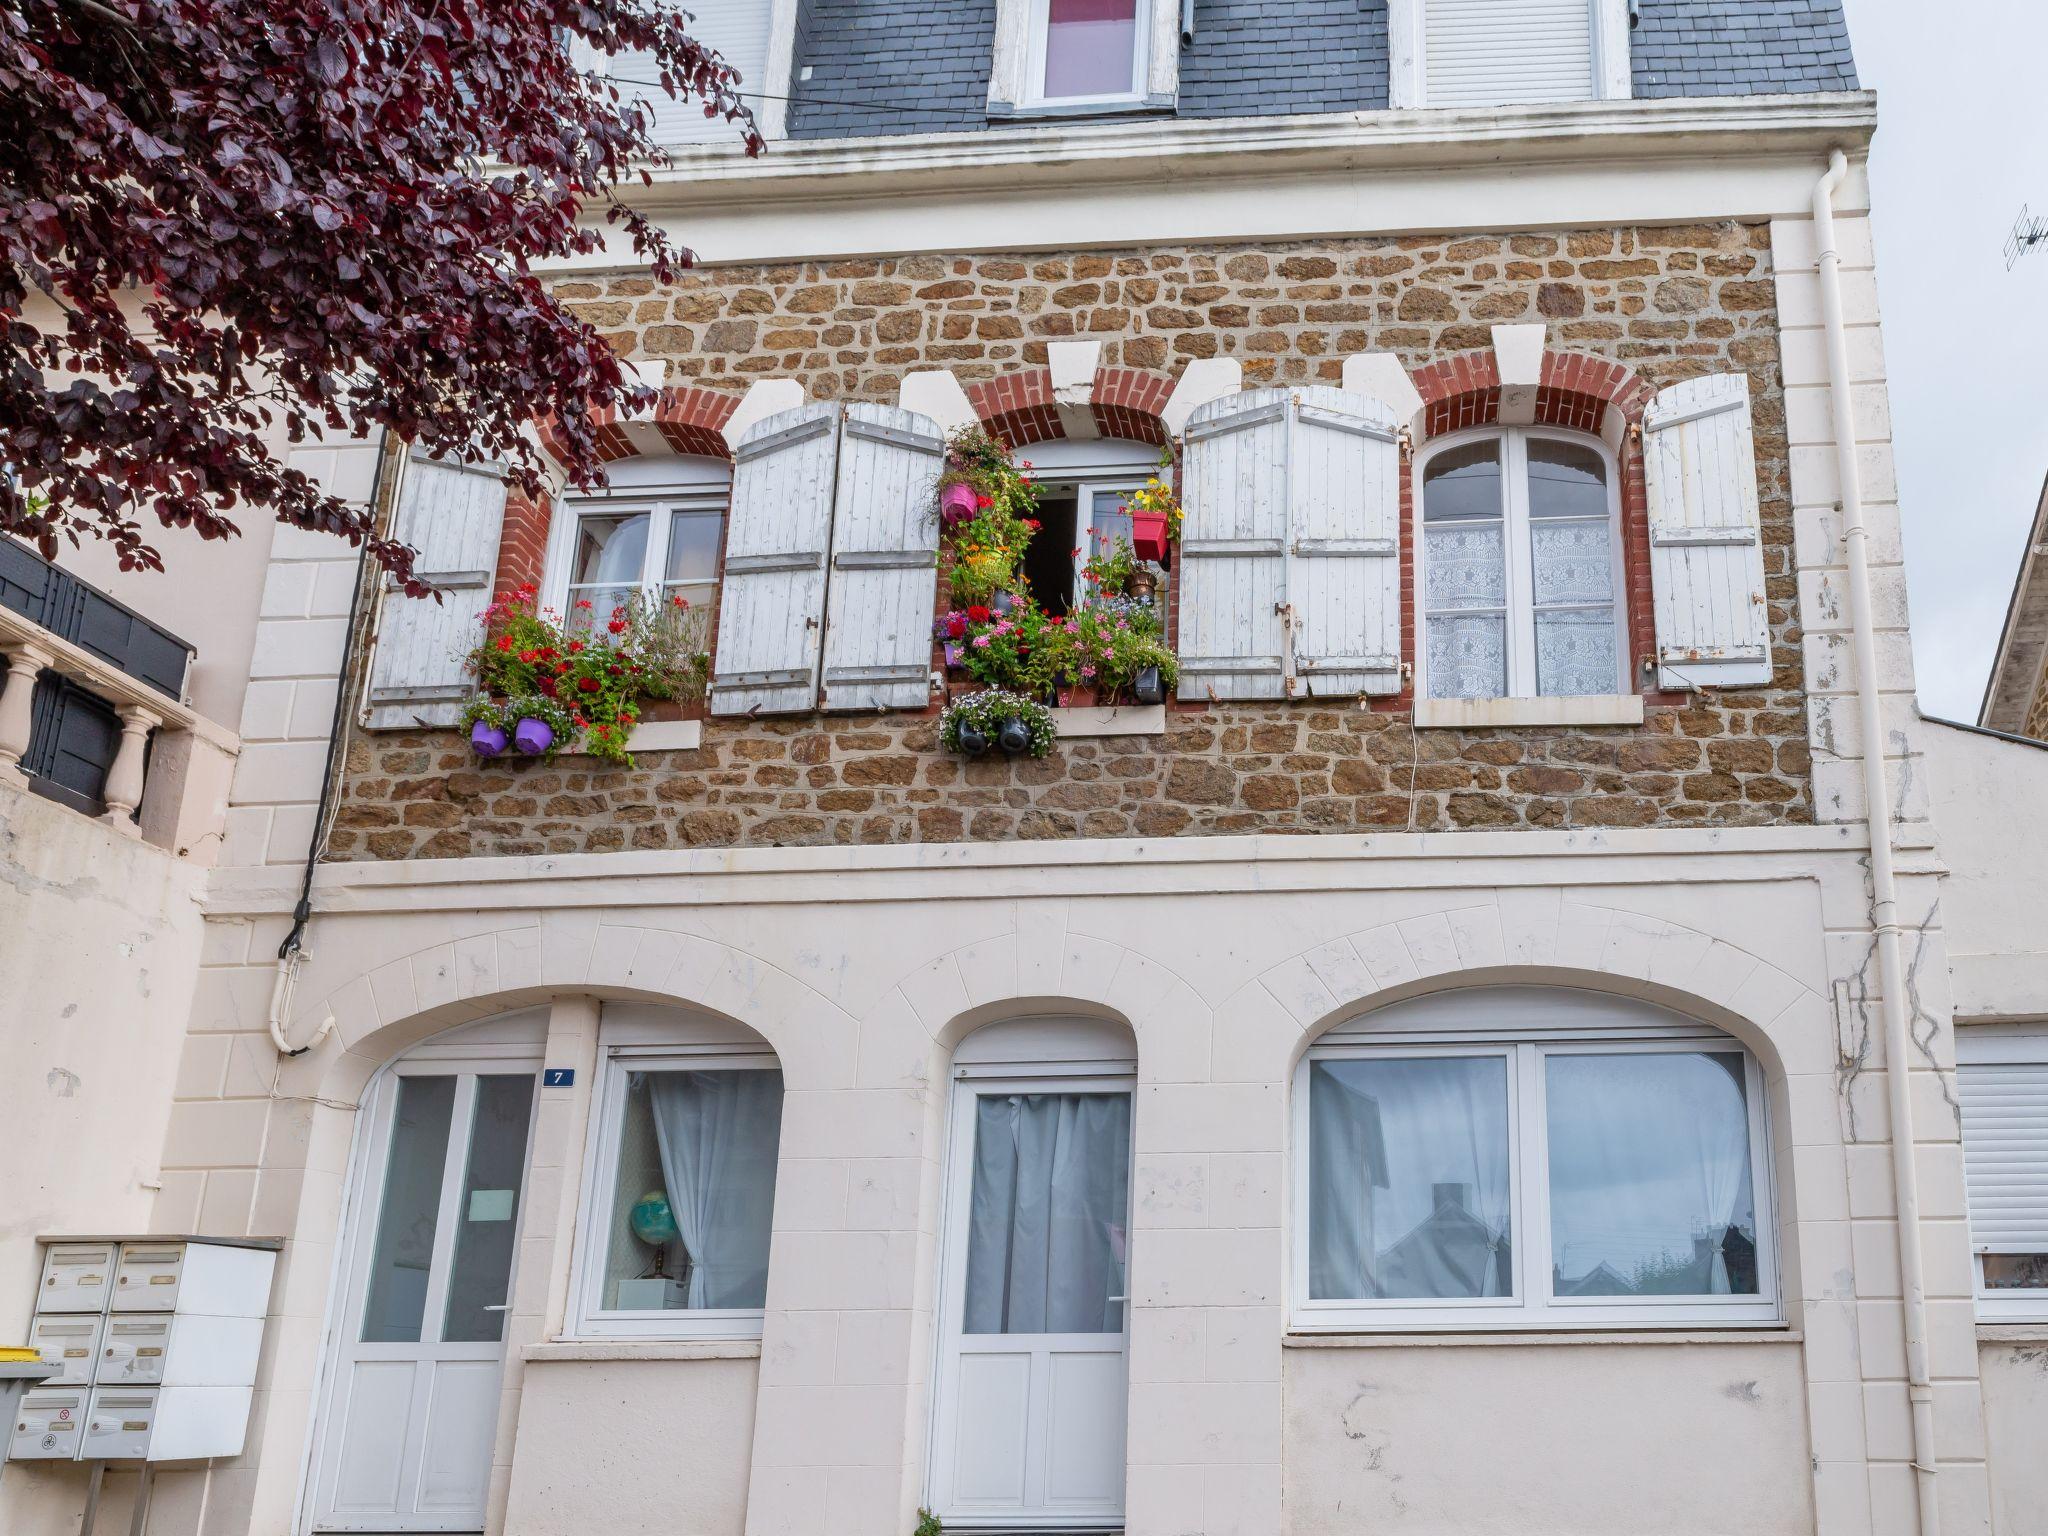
x=1226 y=769
x=1668 y=302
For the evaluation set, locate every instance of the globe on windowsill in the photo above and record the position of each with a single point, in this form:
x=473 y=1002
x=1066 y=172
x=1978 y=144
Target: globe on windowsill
x=652 y=1220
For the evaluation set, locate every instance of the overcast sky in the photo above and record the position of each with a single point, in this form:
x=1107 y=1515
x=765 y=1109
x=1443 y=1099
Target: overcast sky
x=1962 y=142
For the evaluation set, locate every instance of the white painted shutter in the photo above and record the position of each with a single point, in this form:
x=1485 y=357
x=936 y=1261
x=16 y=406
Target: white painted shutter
x=452 y=514
x=772 y=603
x=2005 y=1155
x=738 y=30
x=885 y=560
x=1488 y=53
x=1706 y=539
x=1344 y=571
x=1233 y=548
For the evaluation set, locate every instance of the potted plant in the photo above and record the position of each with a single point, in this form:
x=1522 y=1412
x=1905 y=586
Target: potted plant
x=1155 y=515
x=1013 y=723
x=546 y=686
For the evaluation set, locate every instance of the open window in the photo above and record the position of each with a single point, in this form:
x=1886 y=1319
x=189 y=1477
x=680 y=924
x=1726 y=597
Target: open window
x=1518 y=1157
x=679 y=1190
x=2002 y=1080
x=1519 y=567
x=657 y=531
x=1081 y=512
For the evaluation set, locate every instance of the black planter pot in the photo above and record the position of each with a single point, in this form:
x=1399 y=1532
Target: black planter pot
x=1148 y=686
x=1014 y=736
x=972 y=741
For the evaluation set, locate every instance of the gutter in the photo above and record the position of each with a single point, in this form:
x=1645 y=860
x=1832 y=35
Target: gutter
x=1884 y=895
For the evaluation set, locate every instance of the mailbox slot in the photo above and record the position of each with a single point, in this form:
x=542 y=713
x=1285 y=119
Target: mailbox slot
x=119 y=1424
x=47 y=1426
x=68 y=1341
x=76 y=1277
x=148 y=1276
x=134 y=1349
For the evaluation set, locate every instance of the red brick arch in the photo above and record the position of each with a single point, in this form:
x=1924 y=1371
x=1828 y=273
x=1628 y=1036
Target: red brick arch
x=690 y=420
x=1020 y=407
x=1575 y=392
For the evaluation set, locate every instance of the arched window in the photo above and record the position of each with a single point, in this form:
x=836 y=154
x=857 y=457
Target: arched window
x=1514 y=1157
x=679 y=1188
x=655 y=531
x=1520 y=567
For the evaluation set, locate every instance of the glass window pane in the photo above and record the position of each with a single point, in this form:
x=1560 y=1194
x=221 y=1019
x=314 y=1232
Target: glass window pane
x=1462 y=482
x=410 y=1211
x=1566 y=480
x=1109 y=520
x=1575 y=653
x=693 y=548
x=1649 y=1175
x=1573 y=561
x=1408 y=1179
x=1464 y=566
x=1090 y=48
x=1047 y=1220
x=2016 y=1271
x=1467 y=656
x=487 y=1219
x=695 y=1192
x=611 y=550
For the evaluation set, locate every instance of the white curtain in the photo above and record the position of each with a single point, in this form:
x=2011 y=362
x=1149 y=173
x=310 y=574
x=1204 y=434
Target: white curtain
x=1408 y=1178
x=1046 y=1238
x=718 y=1133
x=1649 y=1175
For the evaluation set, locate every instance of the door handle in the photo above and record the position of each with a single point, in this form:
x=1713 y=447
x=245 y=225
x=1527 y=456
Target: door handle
x=503 y=1306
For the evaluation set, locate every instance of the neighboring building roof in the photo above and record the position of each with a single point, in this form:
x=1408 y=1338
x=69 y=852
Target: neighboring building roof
x=922 y=66
x=2016 y=694
x=1740 y=48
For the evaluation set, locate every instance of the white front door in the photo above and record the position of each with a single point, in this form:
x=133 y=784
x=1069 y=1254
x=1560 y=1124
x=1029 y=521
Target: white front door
x=1028 y=1421
x=412 y=1396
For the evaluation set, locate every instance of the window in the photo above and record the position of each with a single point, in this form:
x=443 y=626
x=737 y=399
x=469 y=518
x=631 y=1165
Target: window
x=1489 y=53
x=1603 y=1164
x=1087 y=51
x=1520 y=568
x=661 y=541
x=739 y=30
x=681 y=1191
x=2002 y=1078
x=1084 y=483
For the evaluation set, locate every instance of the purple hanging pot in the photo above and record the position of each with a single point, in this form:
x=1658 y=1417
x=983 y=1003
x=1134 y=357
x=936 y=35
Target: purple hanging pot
x=486 y=739
x=956 y=654
x=532 y=736
x=956 y=504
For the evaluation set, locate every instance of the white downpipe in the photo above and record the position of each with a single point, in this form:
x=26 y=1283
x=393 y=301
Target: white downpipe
x=1884 y=894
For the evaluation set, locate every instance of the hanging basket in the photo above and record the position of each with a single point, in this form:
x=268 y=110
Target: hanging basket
x=1148 y=536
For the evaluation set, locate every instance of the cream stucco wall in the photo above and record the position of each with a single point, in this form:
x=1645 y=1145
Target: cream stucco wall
x=1986 y=794
x=864 y=967
x=1501 y=1438
x=2014 y=1365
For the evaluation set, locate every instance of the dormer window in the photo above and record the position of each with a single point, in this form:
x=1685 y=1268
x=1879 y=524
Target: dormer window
x=1492 y=53
x=1087 y=51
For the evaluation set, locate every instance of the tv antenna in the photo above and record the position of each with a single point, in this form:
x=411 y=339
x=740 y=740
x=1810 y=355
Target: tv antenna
x=2027 y=232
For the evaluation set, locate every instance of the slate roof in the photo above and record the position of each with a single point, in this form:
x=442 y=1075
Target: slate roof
x=922 y=66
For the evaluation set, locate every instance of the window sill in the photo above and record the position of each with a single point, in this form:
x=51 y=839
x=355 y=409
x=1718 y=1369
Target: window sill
x=643 y=1349
x=659 y=736
x=1469 y=714
x=1545 y=1337
x=2014 y=1332
x=1003 y=112
x=1109 y=720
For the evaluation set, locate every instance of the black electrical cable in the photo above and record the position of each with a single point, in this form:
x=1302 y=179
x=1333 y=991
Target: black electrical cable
x=302 y=913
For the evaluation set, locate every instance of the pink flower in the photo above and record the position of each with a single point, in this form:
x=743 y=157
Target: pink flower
x=981 y=642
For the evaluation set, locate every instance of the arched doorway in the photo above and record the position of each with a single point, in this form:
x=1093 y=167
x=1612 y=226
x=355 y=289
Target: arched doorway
x=1032 y=1387
x=430 y=1228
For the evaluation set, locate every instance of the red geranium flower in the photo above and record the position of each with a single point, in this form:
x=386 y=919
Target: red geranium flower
x=617 y=626
x=577 y=645
x=504 y=642
x=956 y=625
x=546 y=685
x=977 y=613
x=588 y=685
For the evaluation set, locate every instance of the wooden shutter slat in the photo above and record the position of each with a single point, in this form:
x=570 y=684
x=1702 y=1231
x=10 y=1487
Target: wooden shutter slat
x=1706 y=536
x=771 y=603
x=884 y=567
x=1233 y=574
x=1344 y=571
x=452 y=514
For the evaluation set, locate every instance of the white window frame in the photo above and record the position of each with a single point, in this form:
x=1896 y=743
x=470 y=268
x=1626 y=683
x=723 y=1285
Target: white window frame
x=1530 y=1306
x=1520 y=611
x=1994 y=1046
x=1407 y=54
x=622 y=1051
x=661 y=486
x=1016 y=85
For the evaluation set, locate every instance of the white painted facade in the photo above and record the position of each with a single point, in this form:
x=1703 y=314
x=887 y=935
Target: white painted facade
x=865 y=970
